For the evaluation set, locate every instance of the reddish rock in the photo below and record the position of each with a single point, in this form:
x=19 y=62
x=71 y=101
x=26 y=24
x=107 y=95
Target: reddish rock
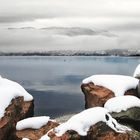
x=35 y=134
x=16 y=111
x=98 y=95
x=95 y=95
x=100 y=131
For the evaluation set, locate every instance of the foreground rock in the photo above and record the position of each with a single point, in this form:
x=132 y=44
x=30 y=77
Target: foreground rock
x=79 y=127
x=98 y=95
x=35 y=134
x=17 y=110
x=99 y=131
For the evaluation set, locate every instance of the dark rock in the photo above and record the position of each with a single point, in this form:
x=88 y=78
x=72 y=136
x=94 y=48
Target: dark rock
x=138 y=89
x=137 y=76
x=17 y=110
x=101 y=131
x=129 y=117
x=98 y=95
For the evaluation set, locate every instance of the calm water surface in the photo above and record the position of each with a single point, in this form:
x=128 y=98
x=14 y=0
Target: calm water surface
x=55 y=81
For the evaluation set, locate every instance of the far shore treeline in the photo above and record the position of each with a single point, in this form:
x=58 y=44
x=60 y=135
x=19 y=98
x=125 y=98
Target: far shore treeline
x=115 y=52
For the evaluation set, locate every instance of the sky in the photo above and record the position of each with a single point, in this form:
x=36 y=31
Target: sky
x=44 y=25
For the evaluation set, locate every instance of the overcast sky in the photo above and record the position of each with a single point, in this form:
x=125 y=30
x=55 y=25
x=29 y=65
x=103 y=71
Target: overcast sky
x=119 y=18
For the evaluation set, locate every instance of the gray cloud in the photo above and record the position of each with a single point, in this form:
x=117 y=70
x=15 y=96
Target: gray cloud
x=69 y=24
x=18 y=10
x=30 y=40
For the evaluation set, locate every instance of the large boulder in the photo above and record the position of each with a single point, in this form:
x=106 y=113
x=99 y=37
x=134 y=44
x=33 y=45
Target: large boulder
x=97 y=95
x=17 y=110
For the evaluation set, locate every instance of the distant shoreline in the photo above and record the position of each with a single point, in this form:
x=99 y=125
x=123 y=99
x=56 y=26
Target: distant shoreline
x=71 y=53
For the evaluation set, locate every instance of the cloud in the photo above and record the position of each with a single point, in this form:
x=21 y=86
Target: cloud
x=19 y=10
x=106 y=17
x=30 y=40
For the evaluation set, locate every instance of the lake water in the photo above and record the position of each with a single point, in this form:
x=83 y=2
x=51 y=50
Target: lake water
x=55 y=81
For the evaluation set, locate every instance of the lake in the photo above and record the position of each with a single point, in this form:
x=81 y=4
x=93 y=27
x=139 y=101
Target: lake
x=55 y=81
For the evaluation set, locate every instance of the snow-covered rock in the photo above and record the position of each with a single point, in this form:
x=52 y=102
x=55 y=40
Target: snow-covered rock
x=126 y=109
x=33 y=122
x=10 y=90
x=119 y=84
x=32 y=132
x=122 y=103
x=15 y=104
x=137 y=72
x=84 y=120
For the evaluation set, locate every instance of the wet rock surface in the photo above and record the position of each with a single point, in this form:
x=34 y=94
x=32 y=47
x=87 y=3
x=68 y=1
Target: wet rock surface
x=17 y=110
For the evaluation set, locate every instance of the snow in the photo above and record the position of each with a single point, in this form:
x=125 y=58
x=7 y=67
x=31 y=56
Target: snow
x=122 y=103
x=81 y=122
x=119 y=84
x=137 y=71
x=32 y=122
x=25 y=139
x=10 y=90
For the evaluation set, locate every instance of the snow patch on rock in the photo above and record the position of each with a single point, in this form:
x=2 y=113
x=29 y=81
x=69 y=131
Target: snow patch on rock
x=32 y=122
x=25 y=139
x=119 y=84
x=122 y=103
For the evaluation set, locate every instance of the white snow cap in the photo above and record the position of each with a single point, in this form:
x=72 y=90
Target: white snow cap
x=119 y=84
x=32 y=122
x=25 y=139
x=10 y=90
x=137 y=71
x=81 y=122
x=122 y=103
